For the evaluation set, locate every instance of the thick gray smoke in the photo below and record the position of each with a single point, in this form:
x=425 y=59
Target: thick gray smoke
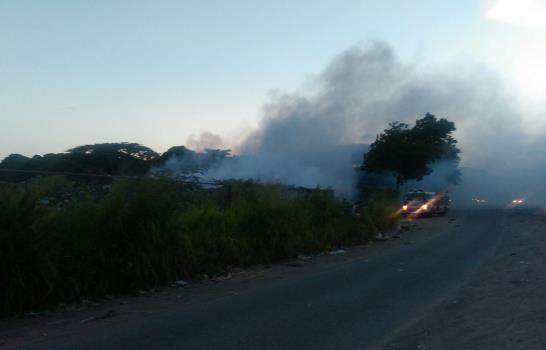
x=313 y=138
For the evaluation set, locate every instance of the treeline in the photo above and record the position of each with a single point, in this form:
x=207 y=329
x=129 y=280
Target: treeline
x=126 y=159
x=146 y=233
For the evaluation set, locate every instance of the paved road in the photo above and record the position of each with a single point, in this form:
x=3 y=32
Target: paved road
x=358 y=305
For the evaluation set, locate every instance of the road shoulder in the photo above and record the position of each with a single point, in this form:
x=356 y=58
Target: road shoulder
x=501 y=307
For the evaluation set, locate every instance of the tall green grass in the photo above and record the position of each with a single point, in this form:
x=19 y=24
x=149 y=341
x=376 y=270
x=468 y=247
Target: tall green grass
x=380 y=212
x=148 y=233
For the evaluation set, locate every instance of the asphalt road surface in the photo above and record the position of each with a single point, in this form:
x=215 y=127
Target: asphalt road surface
x=359 y=304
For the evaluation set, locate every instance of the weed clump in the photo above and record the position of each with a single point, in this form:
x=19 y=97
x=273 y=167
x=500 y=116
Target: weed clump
x=147 y=233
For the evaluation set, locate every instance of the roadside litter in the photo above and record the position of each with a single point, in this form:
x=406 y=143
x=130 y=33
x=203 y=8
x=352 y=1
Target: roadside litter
x=304 y=257
x=180 y=283
x=405 y=225
x=108 y=314
x=380 y=237
x=89 y=319
x=222 y=277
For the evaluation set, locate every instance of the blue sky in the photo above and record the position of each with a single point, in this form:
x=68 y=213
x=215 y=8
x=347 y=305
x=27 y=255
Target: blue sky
x=155 y=72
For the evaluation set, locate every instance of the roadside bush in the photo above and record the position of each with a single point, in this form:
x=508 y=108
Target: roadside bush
x=148 y=233
x=25 y=263
x=380 y=212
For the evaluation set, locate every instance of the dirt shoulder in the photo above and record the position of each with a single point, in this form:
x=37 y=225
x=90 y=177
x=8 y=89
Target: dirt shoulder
x=91 y=316
x=502 y=306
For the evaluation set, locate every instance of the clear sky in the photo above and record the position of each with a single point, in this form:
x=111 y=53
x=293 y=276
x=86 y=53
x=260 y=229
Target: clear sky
x=155 y=72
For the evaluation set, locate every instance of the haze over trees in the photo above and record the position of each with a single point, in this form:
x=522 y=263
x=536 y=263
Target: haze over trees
x=410 y=153
x=407 y=153
x=121 y=159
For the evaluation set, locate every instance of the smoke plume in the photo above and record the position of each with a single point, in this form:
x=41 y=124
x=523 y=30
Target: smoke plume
x=314 y=137
x=206 y=140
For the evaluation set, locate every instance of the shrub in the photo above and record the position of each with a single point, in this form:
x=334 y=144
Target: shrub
x=380 y=212
x=148 y=233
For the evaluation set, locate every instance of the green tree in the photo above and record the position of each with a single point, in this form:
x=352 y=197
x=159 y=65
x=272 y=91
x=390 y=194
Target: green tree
x=104 y=158
x=112 y=158
x=408 y=153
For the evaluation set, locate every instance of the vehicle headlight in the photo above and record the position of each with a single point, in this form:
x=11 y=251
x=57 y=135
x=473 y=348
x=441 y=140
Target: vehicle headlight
x=424 y=206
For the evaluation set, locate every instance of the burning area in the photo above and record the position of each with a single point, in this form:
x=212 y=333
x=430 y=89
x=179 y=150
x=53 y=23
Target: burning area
x=317 y=137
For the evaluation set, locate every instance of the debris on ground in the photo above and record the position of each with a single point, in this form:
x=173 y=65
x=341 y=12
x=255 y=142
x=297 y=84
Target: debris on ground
x=380 y=237
x=89 y=319
x=203 y=277
x=237 y=270
x=109 y=314
x=222 y=277
x=304 y=257
x=405 y=225
x=33 y=314
x=180 y=283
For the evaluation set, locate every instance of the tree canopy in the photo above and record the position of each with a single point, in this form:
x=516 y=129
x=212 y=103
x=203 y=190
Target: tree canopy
x=122 y=158
x=408 y=153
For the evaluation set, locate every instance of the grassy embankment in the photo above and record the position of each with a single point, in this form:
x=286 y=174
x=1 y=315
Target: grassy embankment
x=149 y=233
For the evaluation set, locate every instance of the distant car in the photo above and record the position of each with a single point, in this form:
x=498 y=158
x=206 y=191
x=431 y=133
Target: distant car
x=421 y=203
x=518 y=201
x=478 y=200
